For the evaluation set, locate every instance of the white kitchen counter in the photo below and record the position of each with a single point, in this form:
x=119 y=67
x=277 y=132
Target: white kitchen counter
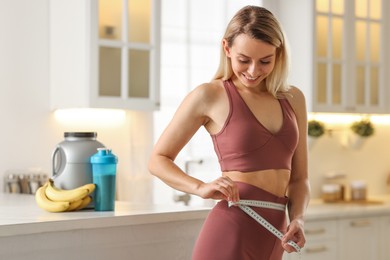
x=19 y=214
x=319 y=210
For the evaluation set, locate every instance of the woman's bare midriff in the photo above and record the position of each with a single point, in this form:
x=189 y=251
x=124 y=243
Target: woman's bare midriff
x=273 y=181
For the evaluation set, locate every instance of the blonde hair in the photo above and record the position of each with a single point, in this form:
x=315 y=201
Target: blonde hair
x=260 y=24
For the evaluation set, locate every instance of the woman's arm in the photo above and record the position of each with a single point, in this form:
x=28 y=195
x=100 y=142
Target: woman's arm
x=189 y=117
x=299 y=187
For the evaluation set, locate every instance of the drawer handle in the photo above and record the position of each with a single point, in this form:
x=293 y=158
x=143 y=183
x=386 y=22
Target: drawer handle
x=360 y=223
x=316 y=250
x=315 y=231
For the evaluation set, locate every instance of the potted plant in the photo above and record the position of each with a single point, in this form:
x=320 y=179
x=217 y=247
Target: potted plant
x=360 y=131
x=315 y=130
x=363 y=128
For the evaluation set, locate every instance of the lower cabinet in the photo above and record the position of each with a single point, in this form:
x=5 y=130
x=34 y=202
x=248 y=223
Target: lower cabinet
x=384 y=238
x=344 y=239
x=321 y=237
x=359 y=238
x=171 y=240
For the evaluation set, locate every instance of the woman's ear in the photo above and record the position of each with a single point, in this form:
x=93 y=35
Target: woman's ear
x=226 y=48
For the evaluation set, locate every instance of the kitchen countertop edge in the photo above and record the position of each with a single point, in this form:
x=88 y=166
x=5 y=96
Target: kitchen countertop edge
x=19 y=215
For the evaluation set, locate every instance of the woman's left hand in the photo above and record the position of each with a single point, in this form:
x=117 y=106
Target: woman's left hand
x=294 y=233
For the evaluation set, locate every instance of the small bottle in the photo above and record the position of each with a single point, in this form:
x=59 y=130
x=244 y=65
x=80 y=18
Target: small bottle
x=13 y=184
x=34 y=183
x=24 y=180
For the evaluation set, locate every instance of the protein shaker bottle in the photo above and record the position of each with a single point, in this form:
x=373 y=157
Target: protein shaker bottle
x=104 y=176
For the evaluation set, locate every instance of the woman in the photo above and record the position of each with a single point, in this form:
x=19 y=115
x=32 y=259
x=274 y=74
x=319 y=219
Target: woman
x=258 y=125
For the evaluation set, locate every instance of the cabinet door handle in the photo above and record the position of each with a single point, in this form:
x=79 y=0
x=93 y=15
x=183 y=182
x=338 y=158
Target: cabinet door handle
x=316 y=250
x=360 y=223
x=350 y=108
x=315 y=231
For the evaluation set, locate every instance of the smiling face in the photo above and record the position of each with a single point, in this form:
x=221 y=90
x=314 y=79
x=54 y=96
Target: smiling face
x=252 y=60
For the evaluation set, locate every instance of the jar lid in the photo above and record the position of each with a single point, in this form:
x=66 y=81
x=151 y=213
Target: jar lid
x=80 y=134
x=104 y=156
x=358 y=184
x=331 y=188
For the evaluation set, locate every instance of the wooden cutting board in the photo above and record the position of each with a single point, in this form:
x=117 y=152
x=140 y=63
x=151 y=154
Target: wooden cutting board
x=359 y=202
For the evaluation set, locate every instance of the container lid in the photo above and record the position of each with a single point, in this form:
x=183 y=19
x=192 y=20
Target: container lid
x=80 y=134
x=331 y=188
x=358 y=184
x=104 y=156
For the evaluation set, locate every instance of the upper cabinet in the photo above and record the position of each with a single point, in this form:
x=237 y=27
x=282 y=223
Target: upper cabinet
x=349 y=56
x=105 y=54
x=338 y=50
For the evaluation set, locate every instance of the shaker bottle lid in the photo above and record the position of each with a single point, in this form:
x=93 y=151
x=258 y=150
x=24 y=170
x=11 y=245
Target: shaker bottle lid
x=80 y=134
x=104 y=155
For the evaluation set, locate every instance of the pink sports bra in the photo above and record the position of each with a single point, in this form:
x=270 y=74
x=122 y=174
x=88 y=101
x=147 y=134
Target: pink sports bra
x=245 y=145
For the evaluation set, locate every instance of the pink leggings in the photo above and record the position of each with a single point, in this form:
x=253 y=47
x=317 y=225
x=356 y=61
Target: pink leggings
x=231 y=234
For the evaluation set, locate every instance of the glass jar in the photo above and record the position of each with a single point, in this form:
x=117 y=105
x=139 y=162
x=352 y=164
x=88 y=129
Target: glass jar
x=331 y=192
x=358 y=190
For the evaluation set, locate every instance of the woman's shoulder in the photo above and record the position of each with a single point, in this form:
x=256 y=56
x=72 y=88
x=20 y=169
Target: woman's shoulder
x=211 y=87
x=210 y=91
x=205 y=96
x=294 y=94
x=296 y=98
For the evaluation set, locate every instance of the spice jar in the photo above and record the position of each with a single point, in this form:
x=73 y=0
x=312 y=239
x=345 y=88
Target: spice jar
x=358 y=190
x=12 y=183
x=24 y=181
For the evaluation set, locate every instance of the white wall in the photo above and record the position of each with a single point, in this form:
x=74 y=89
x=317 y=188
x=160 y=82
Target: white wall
x=27 y=129
x=370 y=162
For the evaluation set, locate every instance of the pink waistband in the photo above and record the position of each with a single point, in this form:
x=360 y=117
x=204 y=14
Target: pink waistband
x=251 y=192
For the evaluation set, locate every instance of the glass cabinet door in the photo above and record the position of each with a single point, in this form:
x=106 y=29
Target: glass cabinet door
x=125 y=47
x=109 y=71
x=138 y=81
x=330 y=65
x=348 y=52
x=139 y=13
x=367 y=21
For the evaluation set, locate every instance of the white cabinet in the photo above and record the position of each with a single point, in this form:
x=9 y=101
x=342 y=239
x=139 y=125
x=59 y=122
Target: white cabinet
x=346 y=238
x=104 y=54
x=321 y=240
x=349 y=56
x=321 y=237
x=338 y=53
x=359 y=238
x=384 y=238
x=172 y=240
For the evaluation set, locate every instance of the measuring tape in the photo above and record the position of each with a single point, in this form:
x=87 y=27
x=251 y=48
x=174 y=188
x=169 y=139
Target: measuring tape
x=244 y=206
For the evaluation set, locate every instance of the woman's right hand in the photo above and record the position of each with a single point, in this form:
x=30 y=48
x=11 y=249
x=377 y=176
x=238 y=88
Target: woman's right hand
x=222 y=188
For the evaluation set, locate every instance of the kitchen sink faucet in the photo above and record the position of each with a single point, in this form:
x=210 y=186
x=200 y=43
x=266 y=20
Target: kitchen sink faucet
x=185 y=198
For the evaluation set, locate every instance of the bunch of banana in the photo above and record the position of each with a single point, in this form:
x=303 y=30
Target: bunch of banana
x=53 y=199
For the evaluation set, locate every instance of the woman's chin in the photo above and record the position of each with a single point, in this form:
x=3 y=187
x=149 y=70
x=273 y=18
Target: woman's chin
x=250 y=82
